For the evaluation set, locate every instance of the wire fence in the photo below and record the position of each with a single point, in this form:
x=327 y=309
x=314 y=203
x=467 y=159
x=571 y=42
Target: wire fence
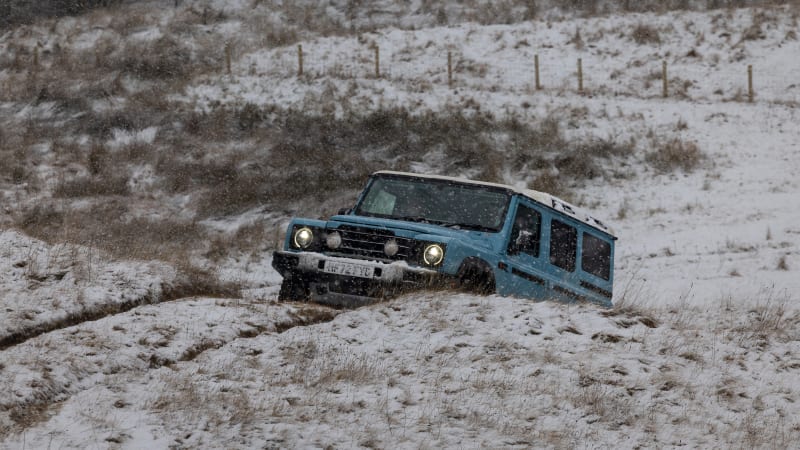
x=547 y=71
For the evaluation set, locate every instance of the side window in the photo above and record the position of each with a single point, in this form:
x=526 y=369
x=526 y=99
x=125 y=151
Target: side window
x=596 y=256
x=563 y=245
x=525 y=235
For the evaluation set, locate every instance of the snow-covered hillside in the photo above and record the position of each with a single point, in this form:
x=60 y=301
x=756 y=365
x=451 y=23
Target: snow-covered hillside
x=702 y=349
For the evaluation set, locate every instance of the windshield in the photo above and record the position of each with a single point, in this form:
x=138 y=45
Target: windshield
x=439 y=202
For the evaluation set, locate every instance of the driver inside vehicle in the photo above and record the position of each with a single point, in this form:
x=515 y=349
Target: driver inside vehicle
x=416 y=206
x=414 y=209
x=524 y=233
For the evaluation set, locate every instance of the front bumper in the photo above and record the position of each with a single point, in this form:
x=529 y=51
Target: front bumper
x=380 y=281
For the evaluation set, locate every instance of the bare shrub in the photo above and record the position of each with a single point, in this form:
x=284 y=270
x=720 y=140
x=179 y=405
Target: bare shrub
x=219 y=124
x=168 y=240
x=645 y=34
x=768 y=317
x=178 y=395
x=603 y=401
x=193 y=281
x=249 y=116
x=274 y=33
x=318 y=157
x=163 y=59
x=577 y=40
x=18 y=174
x=754 y=32
x=550 y=183
x=577 y=166
x=55 y=90
x=98 y=159
x=235 y=195
x=41 y=220
x=109 y=225
x=92 y=186
x=136 y=151
x=675 y=154
x=101 y=125
x=154 y=99
x=587 y=7
x=16 y=12
x=252 y=237
x=624 y=207
x=301 y=172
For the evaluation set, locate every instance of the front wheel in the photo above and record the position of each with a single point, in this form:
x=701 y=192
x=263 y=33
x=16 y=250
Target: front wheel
x=293 y=288
x=476 y=278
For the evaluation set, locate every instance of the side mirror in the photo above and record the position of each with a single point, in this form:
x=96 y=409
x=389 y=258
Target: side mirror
x=343 y=212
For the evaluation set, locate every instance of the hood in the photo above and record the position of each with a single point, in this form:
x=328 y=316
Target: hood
x=414 y=227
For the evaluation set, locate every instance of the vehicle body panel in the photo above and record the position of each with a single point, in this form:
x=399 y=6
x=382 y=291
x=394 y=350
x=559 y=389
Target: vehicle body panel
x=514 y=273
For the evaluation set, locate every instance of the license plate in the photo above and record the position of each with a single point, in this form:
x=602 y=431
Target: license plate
x=349 y=269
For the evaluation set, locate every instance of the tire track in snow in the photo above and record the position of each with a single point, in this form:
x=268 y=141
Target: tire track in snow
x=132 y=352
x=167 y=293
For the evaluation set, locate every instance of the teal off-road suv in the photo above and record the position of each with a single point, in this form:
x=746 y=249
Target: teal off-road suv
x=410 y=231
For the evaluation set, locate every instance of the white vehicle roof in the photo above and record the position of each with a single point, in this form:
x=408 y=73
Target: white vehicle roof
x=544 y=198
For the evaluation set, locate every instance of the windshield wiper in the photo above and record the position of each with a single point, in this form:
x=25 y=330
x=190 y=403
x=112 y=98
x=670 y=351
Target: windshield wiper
x=413 y=219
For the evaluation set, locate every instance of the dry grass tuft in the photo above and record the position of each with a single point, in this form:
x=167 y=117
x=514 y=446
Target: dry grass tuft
x=193 y=281
x=110 y=226
x=166 y=58
x=248 y=239
x=93 y=186
x=645 y=34
x=675 y=154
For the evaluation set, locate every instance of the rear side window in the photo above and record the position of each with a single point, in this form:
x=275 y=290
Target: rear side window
x=525 y=234
x=596 y=256
x=563 y=245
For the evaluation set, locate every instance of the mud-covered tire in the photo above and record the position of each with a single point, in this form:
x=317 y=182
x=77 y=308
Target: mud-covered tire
x=293 y=288
x=476 y=277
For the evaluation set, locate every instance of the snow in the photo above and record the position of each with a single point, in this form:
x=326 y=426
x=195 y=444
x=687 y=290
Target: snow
x=494 y=64
x=123 y=138
x=43 y=285
x=702 y=349
x=429 y=369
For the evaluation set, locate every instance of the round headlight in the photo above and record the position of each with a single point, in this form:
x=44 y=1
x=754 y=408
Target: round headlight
x=391 y=248
x=434 y=254
x=303 y=237
x=334 y=240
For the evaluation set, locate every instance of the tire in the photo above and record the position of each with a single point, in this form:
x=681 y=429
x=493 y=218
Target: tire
x=476 y=277
x=293 y=288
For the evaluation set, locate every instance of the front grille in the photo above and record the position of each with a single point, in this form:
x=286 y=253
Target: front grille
x=368 y=243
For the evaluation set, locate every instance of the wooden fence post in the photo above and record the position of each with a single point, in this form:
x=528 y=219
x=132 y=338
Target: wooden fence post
x=750 y=93
x=536 y=67
x=299 y=60
x=35 y=58
x=450 y=69
x=228 y=57
x=665 y=83
x=580 y=75
x=377 y=62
